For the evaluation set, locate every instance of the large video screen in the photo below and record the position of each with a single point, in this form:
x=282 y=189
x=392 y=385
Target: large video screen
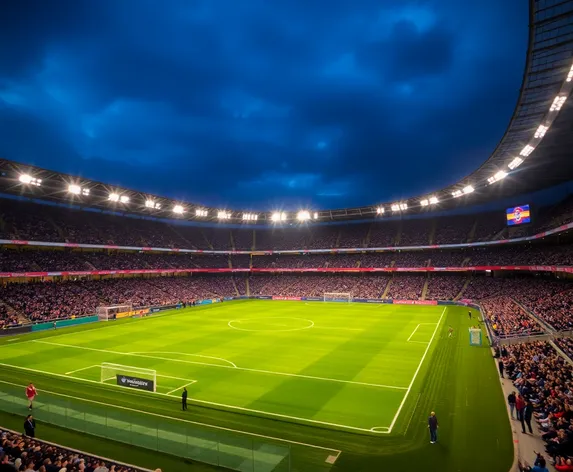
x=518 y=215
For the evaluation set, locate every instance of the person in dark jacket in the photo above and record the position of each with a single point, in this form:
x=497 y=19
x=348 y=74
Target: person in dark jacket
x=526 y=417
x=433 y=427
x=511 y=403
x=501 y=367
x=184 y=399
x=30 y=426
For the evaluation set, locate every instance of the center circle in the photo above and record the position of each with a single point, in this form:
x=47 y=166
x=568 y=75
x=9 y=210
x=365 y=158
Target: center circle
x=271 y=324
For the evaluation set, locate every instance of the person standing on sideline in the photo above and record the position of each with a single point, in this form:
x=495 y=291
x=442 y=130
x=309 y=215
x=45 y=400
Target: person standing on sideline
x=30 y=426
x=511 y=403
x=519 y=406
x=31 y=394
x=184 y=399
x=470 y=314
x=433 y=427
x=450 y=332
x=526 y=417
x=500 y=367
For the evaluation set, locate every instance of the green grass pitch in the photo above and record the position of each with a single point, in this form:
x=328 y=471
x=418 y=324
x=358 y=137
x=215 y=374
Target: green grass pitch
x=325 y=377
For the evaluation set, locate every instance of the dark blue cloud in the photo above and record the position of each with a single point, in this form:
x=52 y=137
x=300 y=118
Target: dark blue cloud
x=261 y=104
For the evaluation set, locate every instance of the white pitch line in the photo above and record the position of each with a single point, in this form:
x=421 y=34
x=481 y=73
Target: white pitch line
x=419 y=342
x=221 y=428
x=83 y=368
x=260 y=371
x=415 y=329
x=416 y=373
x=179 y=388
x=185 y=354
x=13 y=339
x=335 y=327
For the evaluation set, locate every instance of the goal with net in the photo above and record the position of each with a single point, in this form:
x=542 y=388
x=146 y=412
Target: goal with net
x=129 y=376
x=337 y=297
x=106 y=313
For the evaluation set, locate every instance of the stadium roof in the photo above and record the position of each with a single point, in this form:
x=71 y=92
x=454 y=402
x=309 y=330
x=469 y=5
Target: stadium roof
x=534 y=152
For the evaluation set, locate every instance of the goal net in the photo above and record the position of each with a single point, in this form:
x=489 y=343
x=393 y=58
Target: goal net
x=129 y=376
x=106 y=313
x=337 y=297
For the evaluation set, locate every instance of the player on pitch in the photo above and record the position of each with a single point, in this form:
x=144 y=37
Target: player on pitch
x=31 y=394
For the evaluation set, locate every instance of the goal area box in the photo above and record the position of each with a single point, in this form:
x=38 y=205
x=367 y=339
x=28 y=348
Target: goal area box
x=337 y=297
x=129 y=376
x=106 y=313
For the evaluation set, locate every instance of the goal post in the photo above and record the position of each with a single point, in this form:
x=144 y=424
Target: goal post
x=337 y=297
x=106 y=313
x=129 y=376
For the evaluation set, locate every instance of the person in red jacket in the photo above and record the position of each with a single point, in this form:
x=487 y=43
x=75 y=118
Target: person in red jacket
x=31 y=394
x=519 y=406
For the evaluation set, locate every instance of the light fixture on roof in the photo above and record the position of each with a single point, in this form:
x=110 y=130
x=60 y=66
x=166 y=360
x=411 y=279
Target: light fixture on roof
x=113 y=197
x=178 y=209
x=434 y=200
x=457 y=193
x=250 y=217
x=558 y=102
x=278 y=216
x=569 y=75
x=303 y=215
x=78 y=190
x=526 y=151
x=424 y=202
x=201 y=212
x=380 y=210
x=223 y=215
x=315 y=216
x=497 y=177
x=124 y=199
x=29 y=180
x=540 y=132
x=515 y=163
x=149 y=203
x=468 y=189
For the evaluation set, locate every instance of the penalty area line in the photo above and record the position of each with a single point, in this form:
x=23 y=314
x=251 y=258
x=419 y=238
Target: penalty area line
x=182 y=386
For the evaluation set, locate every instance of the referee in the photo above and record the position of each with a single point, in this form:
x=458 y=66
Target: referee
x=184 y=399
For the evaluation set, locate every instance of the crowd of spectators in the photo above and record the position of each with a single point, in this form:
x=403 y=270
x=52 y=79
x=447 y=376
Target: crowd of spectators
x=544 y=381
x=407 y=286
x=507 y=318
x=22 y=453
x=36 y=222
x=445 y=286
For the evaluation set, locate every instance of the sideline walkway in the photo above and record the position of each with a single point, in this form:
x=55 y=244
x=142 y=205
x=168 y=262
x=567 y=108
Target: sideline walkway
x=525 y=444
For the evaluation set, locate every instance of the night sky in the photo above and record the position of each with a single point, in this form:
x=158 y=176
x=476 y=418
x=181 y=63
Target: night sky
x=261 y=104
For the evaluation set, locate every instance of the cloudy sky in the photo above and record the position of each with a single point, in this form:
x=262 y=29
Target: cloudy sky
x=258 y=104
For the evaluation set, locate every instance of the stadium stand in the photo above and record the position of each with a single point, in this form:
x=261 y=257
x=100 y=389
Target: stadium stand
x=21 y=453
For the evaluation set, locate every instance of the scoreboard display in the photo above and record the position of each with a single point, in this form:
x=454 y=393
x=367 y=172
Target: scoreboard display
x=518 y=215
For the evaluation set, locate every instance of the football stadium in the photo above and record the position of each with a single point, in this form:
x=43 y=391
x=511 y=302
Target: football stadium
x=144 y=333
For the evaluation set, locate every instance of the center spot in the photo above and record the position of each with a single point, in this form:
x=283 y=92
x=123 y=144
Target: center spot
x=269 y=324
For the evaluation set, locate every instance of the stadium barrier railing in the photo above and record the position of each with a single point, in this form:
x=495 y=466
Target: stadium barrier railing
x=224 y=447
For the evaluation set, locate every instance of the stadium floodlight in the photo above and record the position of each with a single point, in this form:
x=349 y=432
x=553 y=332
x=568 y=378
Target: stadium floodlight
x=526 y=151
x=424 y=202
x=395 y=207
x=113 y=197
x=558 y=102
x=497 y=177
x=278 y=216
x=540 y=131
x=223 y=215
x=316 y=215
x=403 y=206
x=468 y=189
x=515 y=163
x=380 y=210
x=29 y=180
x=201 y=212
x=178 y=209
x=152 y=204
x=434 y=200
x=457 y=193
x=75 y=189
x=569 y=75
x=303 y=215
x=124 y=199
x=250 y=217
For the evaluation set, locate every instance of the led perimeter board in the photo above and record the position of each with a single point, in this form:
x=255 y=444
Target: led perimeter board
x=518 y=215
